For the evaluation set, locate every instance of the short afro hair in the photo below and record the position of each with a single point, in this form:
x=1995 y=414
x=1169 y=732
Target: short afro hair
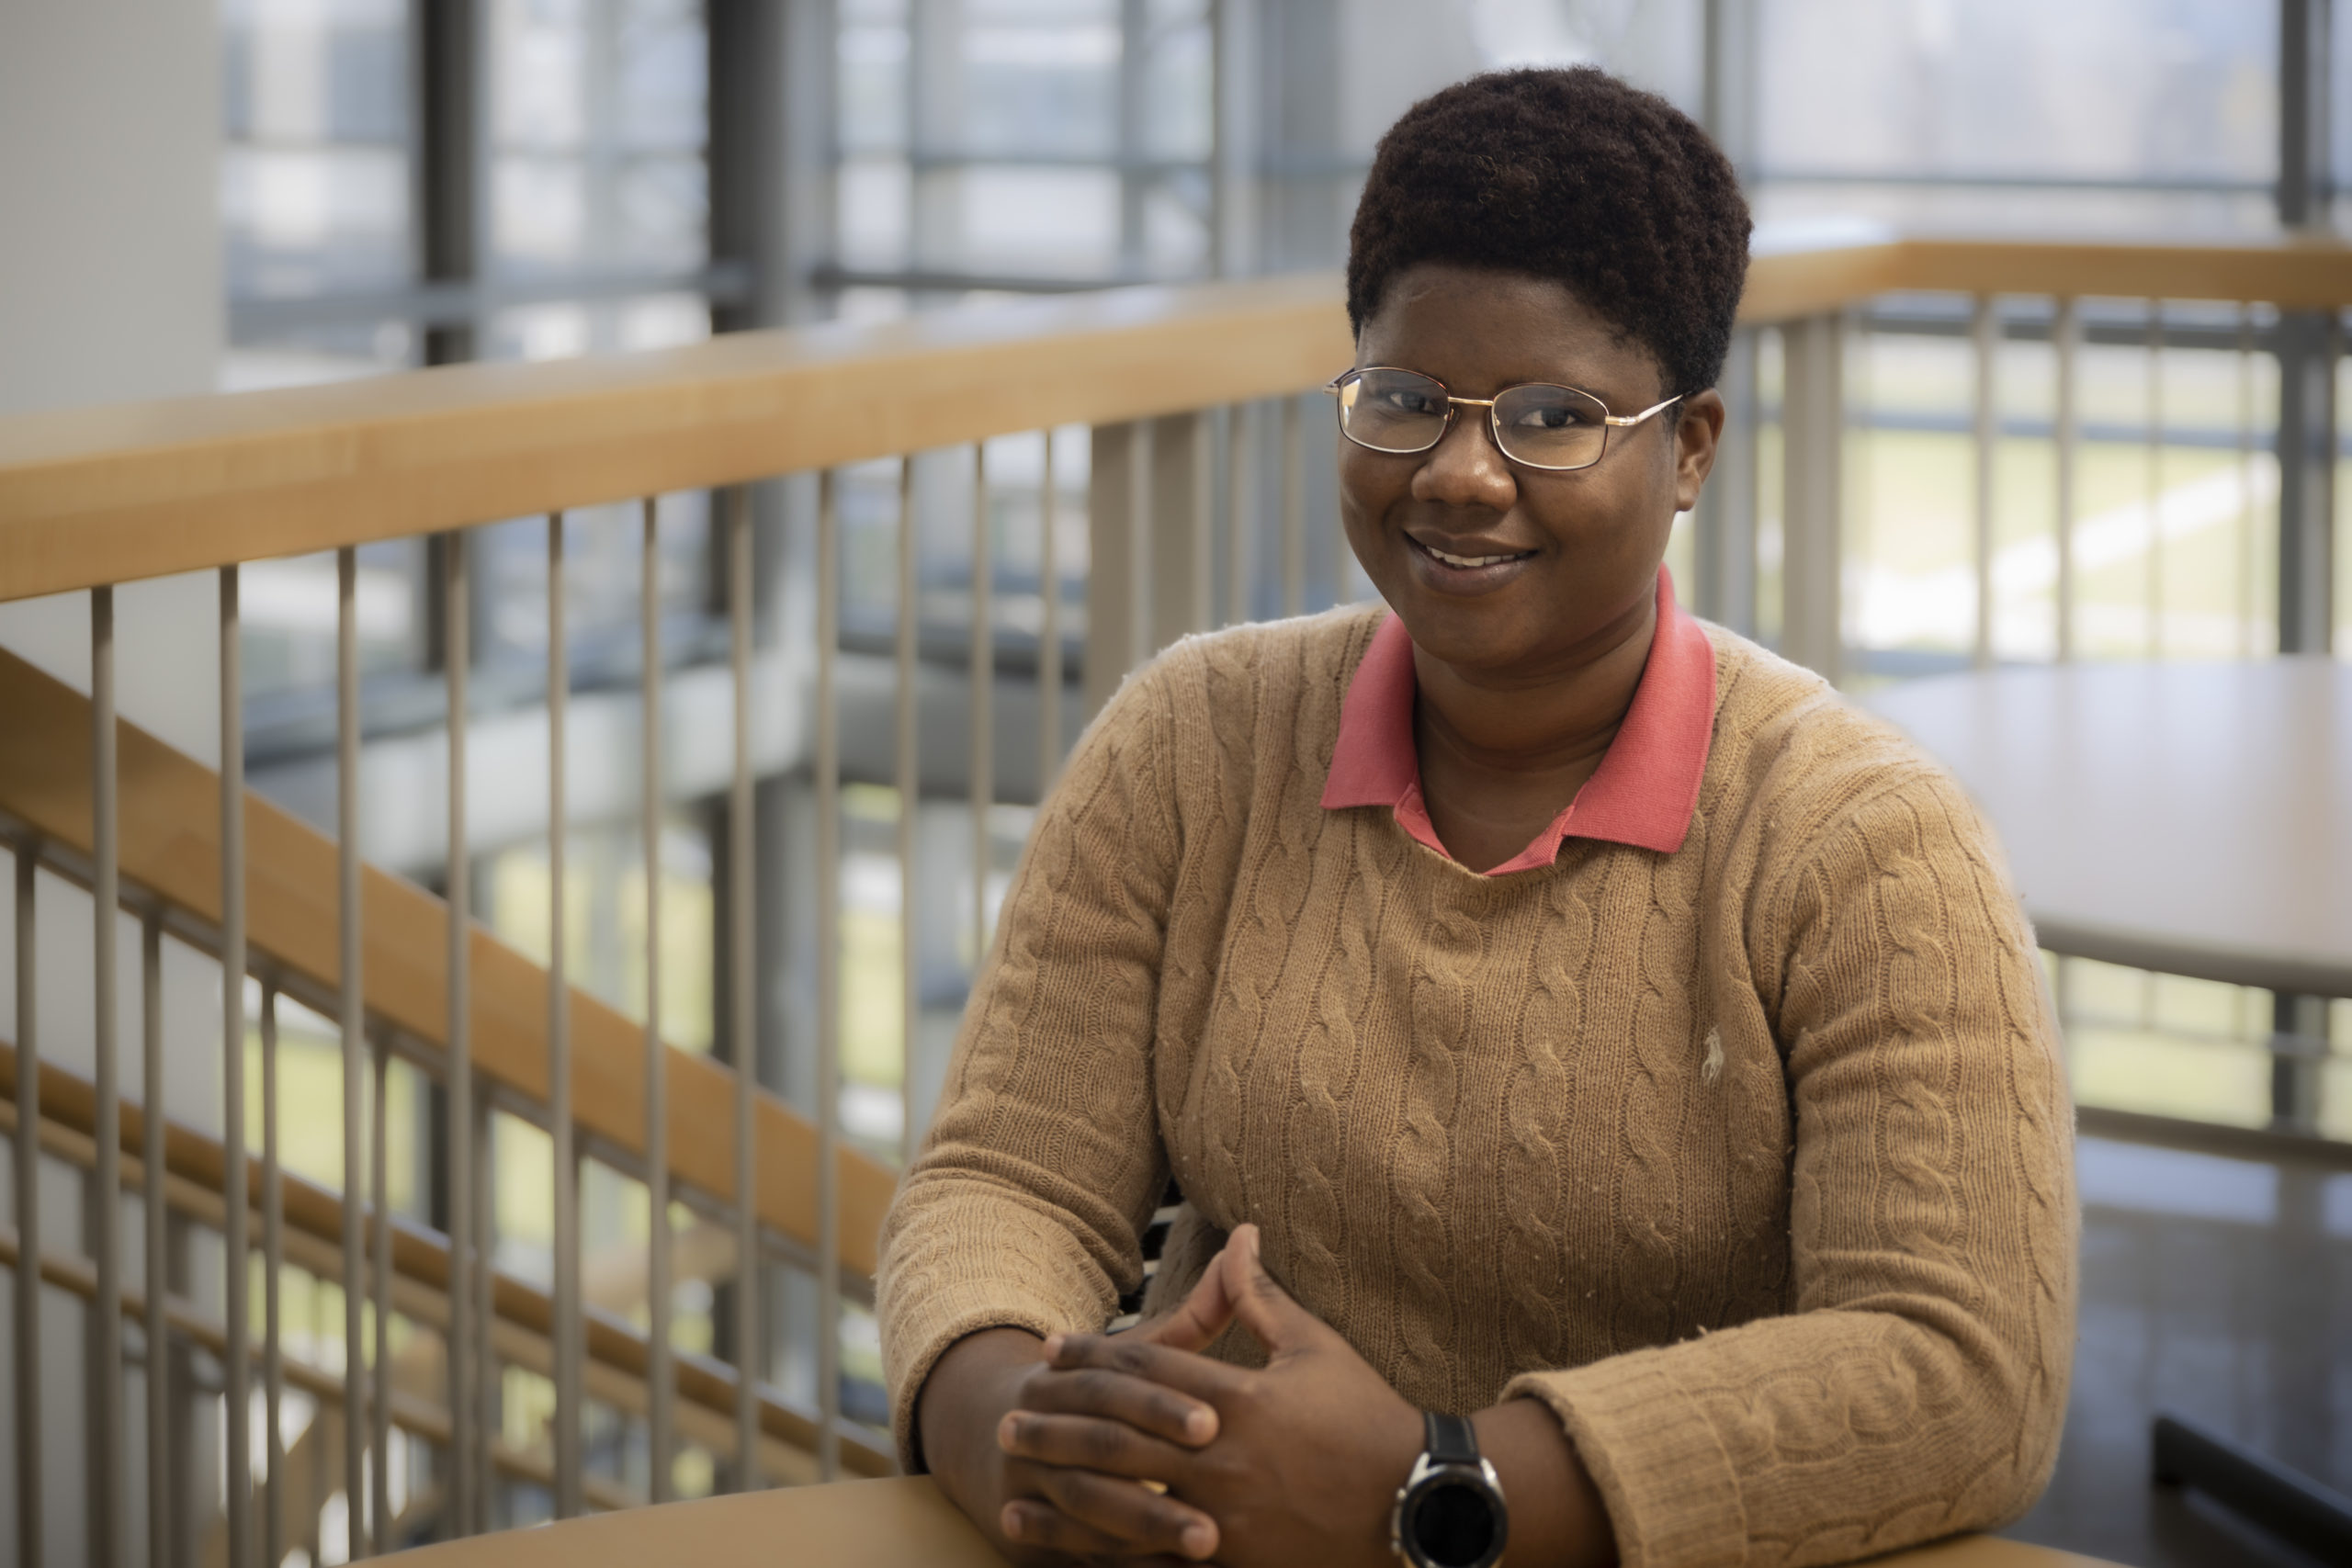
x=1572 y=175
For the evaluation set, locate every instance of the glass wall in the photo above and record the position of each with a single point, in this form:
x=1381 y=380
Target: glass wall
x=317 y=175
x=2105 y=116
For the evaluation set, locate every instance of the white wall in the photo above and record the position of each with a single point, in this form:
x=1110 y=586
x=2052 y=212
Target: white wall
x=110 y=292
x=110 y=289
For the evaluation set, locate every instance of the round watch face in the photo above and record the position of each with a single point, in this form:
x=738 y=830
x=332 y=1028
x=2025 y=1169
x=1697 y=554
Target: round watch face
x=1453 y=1523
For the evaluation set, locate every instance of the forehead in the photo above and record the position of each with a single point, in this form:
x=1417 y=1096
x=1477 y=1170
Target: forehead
x=1478 y=331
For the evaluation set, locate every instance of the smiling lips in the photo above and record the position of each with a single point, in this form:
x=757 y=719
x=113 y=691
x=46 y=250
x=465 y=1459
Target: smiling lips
x=1466 y=563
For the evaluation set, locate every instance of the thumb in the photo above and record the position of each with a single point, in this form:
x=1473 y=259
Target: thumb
x=1204 y=1313
x=1263 y=1307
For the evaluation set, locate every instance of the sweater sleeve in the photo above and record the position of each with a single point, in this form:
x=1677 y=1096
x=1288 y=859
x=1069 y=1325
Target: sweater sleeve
x=1027 y=1204
x=1917 y=1383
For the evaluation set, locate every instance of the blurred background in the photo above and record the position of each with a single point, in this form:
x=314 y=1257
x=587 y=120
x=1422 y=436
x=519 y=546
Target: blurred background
x=274 y=194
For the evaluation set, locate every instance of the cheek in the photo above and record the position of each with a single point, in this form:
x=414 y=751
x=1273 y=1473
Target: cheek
x=1370 y=485
x=1605 y=537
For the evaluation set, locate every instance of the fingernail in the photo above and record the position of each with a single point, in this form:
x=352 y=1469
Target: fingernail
x=1007 y=1432
x=1198 y=1538
x=1012 y=1522
x=1054 y=1343
x=1201 y=1426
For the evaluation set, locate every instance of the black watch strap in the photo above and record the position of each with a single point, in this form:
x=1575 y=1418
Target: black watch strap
x=1450 y=1438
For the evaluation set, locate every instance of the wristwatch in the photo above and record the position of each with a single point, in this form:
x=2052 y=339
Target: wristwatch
x=1450 y=1511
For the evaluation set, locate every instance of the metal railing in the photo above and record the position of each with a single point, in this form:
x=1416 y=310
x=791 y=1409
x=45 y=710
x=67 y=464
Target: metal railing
x=1196 y=493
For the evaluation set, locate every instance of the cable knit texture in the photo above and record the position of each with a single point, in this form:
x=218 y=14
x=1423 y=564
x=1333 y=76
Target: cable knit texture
x=1751 y=1161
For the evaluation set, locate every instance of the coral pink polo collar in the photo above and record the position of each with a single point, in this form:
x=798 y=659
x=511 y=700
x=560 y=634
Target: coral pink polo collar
x=1642 y=794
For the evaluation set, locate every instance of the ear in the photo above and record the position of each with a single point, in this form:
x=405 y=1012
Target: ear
x=1698 y=434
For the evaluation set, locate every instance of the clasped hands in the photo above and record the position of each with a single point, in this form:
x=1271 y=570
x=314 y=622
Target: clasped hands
x=1294 y=1462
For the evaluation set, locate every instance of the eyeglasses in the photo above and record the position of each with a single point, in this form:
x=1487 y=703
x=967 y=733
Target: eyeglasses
x=1539 y=425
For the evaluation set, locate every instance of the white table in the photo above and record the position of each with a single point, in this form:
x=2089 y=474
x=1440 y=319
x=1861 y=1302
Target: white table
x=2192 y=818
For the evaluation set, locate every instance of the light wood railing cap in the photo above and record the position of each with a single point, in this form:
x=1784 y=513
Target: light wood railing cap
x=116 y=494
x=113 y=494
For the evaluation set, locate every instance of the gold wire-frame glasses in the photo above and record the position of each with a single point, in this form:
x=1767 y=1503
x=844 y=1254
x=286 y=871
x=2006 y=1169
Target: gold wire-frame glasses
x=1538 y=425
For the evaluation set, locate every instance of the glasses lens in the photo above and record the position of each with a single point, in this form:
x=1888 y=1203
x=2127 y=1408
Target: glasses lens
x=1551 y=427
x=1392 y=410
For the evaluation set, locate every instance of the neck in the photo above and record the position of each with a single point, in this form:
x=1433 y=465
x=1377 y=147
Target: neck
x=1559 y=716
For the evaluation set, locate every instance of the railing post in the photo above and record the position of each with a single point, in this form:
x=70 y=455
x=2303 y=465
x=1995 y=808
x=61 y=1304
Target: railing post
x=1182 y=580
x=1813 y=423
x=1111 y=600
x=661 y=1385
x=1723 y=590
x=154 y=1225
x=571 y=1403
x=25 y=1154
x=1984 y=334
x=2067 y=337
x=105 y=1206
x=829 y=917
x=466 y=1506
x=273 y=1254
x=906 y=697
x=2307 y=351
x=236 y=1369
x=1149 y=573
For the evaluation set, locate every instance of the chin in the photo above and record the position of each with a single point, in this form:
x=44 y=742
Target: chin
x=1468 y=634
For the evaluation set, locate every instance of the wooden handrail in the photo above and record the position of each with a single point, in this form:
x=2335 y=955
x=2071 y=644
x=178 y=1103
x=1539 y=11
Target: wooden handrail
x=170 y=817
x=116 y=494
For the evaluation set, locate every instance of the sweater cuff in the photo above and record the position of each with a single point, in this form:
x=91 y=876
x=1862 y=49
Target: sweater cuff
x=1672 y=1494
x=928 y=1340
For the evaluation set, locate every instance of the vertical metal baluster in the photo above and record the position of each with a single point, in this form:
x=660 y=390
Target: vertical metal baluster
x=487 y=1392
x=273 y=1263
x=236 y=1367
x=906 y=701
x=1238 y=429
x=2245 y=482
x=26 y=1158
x=662 y=1391
x=983 y=660
x=829 y=958
x=467 y=1511
x=153 y=1221
x=105 y=1209
x=744 y=1027
x=1293 y=511
x=353 y=1020
x=1985 y=340
x=2156 y=479
x=1049 y=630
x=2067 y=331
x=1142 y=641
x=569 y=1411
x=379 y=1207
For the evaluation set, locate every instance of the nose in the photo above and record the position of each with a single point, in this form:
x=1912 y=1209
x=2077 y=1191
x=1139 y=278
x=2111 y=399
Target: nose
x=1465 y=470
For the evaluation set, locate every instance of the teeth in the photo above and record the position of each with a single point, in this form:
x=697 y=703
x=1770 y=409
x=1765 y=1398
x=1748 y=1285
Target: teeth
x=1466 y=561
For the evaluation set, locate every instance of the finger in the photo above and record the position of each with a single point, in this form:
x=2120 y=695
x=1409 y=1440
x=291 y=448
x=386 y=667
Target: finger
x=1029 y=1521
x=1084 y=1442
x=1144 y=1403
x=1142 y=1520
x=1272 y=1317
x=1204 y=1314
x=1179 y=1369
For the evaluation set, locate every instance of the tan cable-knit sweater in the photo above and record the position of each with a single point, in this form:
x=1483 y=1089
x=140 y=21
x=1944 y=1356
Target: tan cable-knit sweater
x=1751 y=1161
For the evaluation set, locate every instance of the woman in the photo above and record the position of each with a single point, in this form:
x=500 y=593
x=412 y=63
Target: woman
x=1553 y=1012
